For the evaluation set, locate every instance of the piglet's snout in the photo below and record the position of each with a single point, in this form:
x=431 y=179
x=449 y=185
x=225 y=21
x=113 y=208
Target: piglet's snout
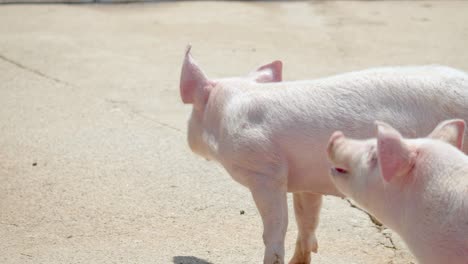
x=335 y=140
x=339 y=150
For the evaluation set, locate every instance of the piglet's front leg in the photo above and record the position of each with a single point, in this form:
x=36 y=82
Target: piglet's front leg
x=307 y=210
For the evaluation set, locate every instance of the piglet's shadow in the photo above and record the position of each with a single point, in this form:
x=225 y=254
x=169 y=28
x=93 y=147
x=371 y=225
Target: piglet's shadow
x=189 y=260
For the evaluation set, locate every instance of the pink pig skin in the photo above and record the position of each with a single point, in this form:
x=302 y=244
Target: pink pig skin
x=417 y=187
x=271 y=136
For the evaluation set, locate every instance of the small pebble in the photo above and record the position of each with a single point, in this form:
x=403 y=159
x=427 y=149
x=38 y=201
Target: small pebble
x=34 y=164
x=242 y=212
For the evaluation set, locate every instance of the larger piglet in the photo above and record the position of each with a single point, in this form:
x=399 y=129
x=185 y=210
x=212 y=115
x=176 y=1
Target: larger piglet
x=417 y=187
x=271 y=136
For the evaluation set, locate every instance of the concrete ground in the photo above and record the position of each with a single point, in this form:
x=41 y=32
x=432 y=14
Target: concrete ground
x=94 y=164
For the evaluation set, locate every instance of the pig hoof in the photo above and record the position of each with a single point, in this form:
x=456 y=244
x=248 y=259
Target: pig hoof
x=277 y=261
x=300 y=259
x=314 y=247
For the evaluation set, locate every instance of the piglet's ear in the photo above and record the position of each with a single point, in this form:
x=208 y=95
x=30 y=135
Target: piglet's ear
x=192 y=78
x=451 y=131
x=272 y=72
x=395 y=157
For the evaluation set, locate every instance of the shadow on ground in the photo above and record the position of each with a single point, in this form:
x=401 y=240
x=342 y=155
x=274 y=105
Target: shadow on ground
x=189 y=260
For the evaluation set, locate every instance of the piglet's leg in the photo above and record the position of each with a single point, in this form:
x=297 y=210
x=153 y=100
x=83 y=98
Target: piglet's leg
x=270 y=198
x=307 y=209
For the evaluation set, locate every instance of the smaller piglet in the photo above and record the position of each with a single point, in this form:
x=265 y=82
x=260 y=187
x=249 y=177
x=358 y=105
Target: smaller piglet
x=417 y=187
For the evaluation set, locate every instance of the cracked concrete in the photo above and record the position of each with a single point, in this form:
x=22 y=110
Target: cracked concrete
x=135 y=111
x=2 y=57
x=94 y=164
x=374 y=220
x=389 y=237
x=386 y=233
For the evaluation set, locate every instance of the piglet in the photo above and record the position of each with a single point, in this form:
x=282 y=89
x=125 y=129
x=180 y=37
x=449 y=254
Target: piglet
x=271 y=136
x=417 y=187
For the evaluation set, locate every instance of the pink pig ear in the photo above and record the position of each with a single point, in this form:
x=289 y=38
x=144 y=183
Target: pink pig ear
x=451 y=131
x=192 y=78
x=395 y=157
x=272 y=72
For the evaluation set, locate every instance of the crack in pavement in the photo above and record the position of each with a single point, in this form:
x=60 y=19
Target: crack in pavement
x=372 y=218
x=392 y=247
x=139 y=113
x=379 y=226
x=158 y=122
x=125 y=103
x=10 y=224
x=390 y=239
x=31 y=70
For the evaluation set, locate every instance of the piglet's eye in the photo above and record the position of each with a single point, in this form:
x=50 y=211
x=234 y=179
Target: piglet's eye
x=373 y=158
x=340 y=170
x=372 y=155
